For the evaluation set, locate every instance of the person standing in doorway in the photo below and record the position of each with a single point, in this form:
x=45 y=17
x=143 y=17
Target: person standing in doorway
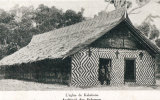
x=102 y=75
x=108 y=69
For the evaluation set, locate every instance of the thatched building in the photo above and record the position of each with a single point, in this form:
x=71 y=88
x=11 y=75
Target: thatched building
x=73 y=55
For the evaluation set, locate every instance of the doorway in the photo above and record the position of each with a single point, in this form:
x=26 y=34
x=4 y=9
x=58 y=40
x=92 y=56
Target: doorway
x=130 y=70
x=104 y=71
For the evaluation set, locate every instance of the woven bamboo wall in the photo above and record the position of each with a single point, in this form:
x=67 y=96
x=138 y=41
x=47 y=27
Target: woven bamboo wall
x=47 y=71
x=85 y=68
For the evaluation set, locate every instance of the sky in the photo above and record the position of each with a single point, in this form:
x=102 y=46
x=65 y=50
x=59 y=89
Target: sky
x=91 y=7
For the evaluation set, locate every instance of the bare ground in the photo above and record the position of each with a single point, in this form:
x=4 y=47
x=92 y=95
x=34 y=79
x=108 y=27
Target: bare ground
x=19 y=85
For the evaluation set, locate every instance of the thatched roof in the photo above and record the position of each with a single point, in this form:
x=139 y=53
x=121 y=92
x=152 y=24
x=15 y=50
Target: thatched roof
x=65 y=41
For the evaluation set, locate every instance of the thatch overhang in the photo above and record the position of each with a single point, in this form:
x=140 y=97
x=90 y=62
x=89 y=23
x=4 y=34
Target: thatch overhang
x=67 y=41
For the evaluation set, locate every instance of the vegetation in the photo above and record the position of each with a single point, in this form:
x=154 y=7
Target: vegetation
x=128 y=4
x=18 y=25
x=149 y=30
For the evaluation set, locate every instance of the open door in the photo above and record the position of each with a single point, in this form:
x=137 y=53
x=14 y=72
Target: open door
x=104 y=70
x=130 y=70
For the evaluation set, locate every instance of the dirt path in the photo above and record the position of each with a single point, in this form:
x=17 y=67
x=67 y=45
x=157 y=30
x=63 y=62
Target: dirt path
x=18 y=85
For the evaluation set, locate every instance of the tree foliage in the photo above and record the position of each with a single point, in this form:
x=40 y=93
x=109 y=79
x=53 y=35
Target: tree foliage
x=128 y=4
x=158 y=42
x=120 y=3
x=154 y=33
x=18 y=25
x=145 y=28
x=151 y=32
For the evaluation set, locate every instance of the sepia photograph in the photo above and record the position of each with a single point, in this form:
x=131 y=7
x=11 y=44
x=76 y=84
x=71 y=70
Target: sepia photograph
x=81 y=46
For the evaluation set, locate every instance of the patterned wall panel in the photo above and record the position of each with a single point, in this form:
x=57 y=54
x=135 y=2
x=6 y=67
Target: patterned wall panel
x=85 y=68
